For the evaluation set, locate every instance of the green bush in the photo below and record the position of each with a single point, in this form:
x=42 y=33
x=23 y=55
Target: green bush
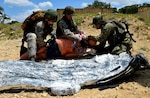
x=10 y=31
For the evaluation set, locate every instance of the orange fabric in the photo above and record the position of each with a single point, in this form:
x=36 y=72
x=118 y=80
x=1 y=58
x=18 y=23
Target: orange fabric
x=41 y=54
x=65 y=46
x=71 y=55
x=24 y=56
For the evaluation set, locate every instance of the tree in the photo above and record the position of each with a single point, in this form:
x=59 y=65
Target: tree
x=1 y=9
x=129 y=9
x=145 y=5
x=133 y=8
x=1 y=13
x=97 y=4
x=3 y=16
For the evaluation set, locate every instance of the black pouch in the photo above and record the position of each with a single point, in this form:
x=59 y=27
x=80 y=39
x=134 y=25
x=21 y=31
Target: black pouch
x=53 y=50
x=23 y=50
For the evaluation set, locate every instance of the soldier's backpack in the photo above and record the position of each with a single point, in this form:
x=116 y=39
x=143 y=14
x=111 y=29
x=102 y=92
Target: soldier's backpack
x=29 y=23
x=126 y=28
x=28 y=26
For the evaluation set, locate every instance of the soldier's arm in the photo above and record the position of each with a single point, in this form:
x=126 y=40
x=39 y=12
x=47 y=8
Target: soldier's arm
x=67 y=33
x=39 y=32
x=106 y=32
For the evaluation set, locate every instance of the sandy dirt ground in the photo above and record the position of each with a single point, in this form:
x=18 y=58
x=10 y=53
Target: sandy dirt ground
x=135 y=86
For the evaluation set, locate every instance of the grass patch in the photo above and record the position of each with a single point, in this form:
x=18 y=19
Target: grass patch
x=145 y=48
x=145 y=16
x=10 y=31
x=79 y=18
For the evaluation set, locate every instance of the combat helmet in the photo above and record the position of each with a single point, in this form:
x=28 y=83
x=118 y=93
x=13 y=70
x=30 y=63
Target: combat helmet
x=69 y=10
x=97 y=19
x=51 y=14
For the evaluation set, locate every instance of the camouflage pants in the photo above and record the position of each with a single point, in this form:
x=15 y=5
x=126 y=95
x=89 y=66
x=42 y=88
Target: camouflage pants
x=31 y=42
x=114 y=50
x=119 y=49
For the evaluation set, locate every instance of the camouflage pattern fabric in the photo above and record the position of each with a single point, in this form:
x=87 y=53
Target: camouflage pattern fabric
x=39 y=32
x=31 y=40
x=28 y=24
x=118 y=40
x=35 y=24
x=66 y=28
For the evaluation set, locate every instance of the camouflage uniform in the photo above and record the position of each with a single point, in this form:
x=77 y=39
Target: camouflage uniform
x=41 y=31
x=118 y=41
x=36 y=38
x=66 y=28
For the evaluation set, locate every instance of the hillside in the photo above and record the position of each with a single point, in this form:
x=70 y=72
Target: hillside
x=136 y=86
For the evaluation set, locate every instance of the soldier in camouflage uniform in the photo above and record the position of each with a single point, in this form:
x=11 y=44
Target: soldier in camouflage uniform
x=35 y=39
x=66 y=26
x=118 y=41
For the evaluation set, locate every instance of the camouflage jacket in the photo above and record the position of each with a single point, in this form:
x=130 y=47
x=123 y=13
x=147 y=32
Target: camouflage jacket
x=66 y=28
x=41 y=31
x=114 y=35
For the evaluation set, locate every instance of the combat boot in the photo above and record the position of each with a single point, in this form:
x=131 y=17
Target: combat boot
x=143 y=61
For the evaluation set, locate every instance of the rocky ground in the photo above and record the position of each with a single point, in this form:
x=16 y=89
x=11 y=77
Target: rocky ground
x=135 y=86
